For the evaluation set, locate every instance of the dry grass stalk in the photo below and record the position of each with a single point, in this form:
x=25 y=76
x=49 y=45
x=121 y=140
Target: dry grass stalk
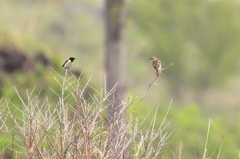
x=75 y=127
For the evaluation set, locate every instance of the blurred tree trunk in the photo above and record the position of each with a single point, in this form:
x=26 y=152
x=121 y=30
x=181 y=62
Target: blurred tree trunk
x=115 y=58
x=115 y=52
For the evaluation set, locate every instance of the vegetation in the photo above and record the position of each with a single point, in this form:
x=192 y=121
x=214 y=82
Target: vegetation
x=201 y=38
x=75 y=127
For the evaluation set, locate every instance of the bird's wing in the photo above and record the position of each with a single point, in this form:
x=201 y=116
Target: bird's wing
x=156 y=65
x=65 y=62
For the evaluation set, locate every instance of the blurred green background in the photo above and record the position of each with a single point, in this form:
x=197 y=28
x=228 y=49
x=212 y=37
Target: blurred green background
x=201 y=38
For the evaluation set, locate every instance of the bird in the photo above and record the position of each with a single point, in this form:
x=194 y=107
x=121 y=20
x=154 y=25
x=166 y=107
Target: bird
x=156 y=64
x=68 y=63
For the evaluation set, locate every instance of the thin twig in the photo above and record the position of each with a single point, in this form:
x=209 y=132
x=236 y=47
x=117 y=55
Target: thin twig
x=220 y=147
x=205 y=147
x=85 y=141
x=64 y=133
x=238 y=153
x=12 y=145
x=144 y=94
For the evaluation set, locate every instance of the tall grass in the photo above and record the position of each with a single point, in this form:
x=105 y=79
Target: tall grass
x=76 y=127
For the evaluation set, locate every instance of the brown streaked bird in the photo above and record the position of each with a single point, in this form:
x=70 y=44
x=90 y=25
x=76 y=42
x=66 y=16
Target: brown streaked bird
x=156 y=64
x=68 y=63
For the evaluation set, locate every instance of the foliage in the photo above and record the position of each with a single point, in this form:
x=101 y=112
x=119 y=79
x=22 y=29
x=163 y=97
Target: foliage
x=192 y=130
x=201 y=37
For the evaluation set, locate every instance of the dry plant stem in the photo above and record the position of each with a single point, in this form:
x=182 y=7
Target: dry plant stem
x=68 y=147
x=37 y=144
x=111 y=127
x=220 y=148
x=150 y=86
x=165 y=117
x=77 y=118
x=31 y=132
x=76 y=129
x=86 y=141
x=101 y=104
x=205 y=147
x=157 y=133
x=50 y=142
x=62 y=111
x=168 y=66
x=238 y=153
x=179 y=156
x=12 y=146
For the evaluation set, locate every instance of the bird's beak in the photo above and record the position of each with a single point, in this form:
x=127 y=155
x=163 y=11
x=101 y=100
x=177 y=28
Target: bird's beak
x=150 y=59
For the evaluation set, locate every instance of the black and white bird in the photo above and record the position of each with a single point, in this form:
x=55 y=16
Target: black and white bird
x=67 y=64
